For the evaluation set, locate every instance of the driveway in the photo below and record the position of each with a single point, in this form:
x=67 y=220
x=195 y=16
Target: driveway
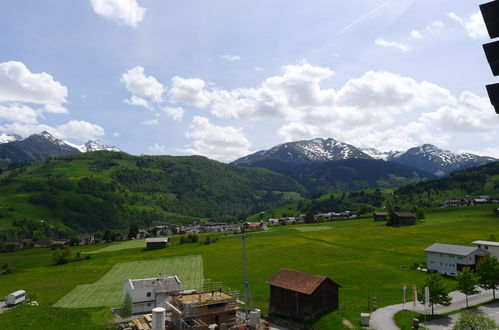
x=447 y=322
x=382 y=319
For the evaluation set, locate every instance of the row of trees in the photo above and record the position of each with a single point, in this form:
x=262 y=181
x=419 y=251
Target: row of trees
x=486 y=277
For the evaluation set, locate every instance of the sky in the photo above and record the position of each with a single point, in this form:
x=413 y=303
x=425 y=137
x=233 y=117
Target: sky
x=226 y=78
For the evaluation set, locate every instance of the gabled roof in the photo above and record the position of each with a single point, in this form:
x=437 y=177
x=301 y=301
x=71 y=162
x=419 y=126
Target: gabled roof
x=297 y=281
x=489 y=243
x=157 y=240
x=160 y=284
x=460 y=250
x=381 y=213
x=404 y=214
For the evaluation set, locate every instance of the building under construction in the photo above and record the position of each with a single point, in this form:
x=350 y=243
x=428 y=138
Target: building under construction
x=200 y=310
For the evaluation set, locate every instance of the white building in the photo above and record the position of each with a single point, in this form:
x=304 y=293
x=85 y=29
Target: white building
x=449 y=259
x=491 y=247
x=149 y=293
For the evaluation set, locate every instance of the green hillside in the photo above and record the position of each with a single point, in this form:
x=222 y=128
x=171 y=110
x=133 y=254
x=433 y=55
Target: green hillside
x=476 y=181
x=367 y=258
x=110 y=190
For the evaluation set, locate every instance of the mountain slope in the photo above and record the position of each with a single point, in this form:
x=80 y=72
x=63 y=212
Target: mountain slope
x=438 y=161
x=305 y=152
x=109 y=190
x=475 y=181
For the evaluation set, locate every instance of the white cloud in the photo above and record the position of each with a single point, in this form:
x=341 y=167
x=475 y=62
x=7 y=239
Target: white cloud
x=19 y=85
x=230 y=58
x=138 y=101
x=435 y=27
x=151 y=122
x=218 y=142
x=415 y=34
x=19 y=113
x=391 y=44
x=140 y=85
x=176 y=113
x=473 y=24
x=123 y=11
x=157 y=149
x=189 y=91
x=79 y=130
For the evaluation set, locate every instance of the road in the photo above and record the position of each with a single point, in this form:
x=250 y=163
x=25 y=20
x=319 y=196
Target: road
x=447 y=322
x=382 y=319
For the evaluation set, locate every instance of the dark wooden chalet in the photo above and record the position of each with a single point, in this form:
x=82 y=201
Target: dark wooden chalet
x=156 y=242
x=301 y=295
x=403 y=219
x=380 y=216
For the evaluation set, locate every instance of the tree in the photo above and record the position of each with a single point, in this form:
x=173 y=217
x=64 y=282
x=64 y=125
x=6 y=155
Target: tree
x=467 y=282
x=133 y=231
x=309 y=217
x=62 y=256
x=420 y=215
x=439 y=295
x=487 y=270
x=474 y=321
x=127 y=306
x=107 y=236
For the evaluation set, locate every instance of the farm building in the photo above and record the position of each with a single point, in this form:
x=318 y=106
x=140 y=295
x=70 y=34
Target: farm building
x=491 y=247
x=156 y=242
x=254 y=225
x=449 y=259
x=380 y=216
x=403 y=219
x=302 y=295
x=58 y=244
x=199 y=310
x=148 y=293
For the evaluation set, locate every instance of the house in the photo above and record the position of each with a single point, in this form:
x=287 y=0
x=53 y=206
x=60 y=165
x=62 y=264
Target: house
x=302 y=295
x=480 y=201
x=403 y=219
x=449 y=259
x=323 y=216
x=142 y=234
x=200 y=310
x=254 y=225
x=58 y=244
x=454 y=203
x=491 y=247
x=156 y=243
x=380 y=216
x=273 y=221
x=149 y=293
x=27 y=242
x=86 y=239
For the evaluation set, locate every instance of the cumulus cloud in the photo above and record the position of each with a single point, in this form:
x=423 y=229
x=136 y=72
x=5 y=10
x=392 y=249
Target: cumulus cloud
x=218 y=142
x=142 y=86
x=19 y=85
x=415 y=34
x=80 y=130
x=19 y=113
x=138 y=101
x=230 y=58
x=157 y=149
x=188 y=91
x=123 y=11
x=391 y=44
x=473 y=24
x=175 y=113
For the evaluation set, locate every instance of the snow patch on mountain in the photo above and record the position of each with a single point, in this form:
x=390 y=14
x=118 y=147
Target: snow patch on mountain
x=93 y=145
x=9 y=137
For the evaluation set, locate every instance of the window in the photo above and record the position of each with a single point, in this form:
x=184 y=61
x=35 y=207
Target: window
x=148 y=294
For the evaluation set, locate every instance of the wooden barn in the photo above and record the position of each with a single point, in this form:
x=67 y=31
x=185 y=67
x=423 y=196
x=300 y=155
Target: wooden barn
x=301 y=295
x=156 y=242
x=380 y=216
x=403 y=219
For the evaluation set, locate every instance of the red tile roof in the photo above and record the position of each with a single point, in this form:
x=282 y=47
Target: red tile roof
x=297 y=281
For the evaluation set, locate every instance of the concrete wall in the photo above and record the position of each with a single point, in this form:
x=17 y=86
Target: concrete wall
x=447 y=263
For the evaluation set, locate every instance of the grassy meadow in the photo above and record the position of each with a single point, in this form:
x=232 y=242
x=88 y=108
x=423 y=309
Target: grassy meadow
x=361 y=255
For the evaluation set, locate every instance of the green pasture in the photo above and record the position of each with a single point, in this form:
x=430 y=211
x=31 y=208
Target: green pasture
x=363 y=256
x=117 y=246
x=307 y=229
x=107 y=291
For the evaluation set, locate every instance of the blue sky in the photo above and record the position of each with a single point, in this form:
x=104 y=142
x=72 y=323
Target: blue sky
x=224 y=78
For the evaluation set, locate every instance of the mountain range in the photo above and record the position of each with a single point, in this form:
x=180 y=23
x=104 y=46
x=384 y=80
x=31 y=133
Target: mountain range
x=426 y=157
x=14 y=149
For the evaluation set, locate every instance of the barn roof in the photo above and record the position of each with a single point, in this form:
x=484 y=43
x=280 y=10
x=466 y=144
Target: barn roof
x=405 y=214
x=157 y=240
x=381 y=213
x=461 y=250
x=297 y=281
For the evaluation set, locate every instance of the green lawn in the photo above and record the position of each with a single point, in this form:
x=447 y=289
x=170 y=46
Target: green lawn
x=107 y=291
x=358 y=254
x=137 y=243
x=306 y=229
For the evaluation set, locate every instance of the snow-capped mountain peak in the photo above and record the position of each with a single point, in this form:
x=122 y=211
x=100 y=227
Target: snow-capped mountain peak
x=9 y=137
x=94 y=145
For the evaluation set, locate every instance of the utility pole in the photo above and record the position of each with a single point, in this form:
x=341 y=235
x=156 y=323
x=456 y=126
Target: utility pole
x=246 y=284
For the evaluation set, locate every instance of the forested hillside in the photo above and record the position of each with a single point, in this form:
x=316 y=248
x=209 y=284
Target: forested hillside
x=480 y=180
x=110 y=190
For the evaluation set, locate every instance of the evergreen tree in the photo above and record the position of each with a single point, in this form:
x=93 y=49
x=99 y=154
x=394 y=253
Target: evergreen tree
x=439 y=295
x=467 y=282
x=127 y=306
x=487 y=270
